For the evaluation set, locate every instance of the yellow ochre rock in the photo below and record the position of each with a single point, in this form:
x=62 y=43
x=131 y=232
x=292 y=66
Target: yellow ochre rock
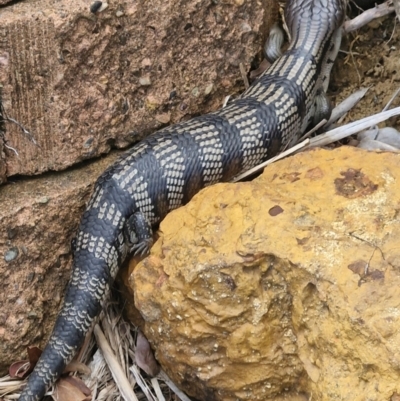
x=283 y=288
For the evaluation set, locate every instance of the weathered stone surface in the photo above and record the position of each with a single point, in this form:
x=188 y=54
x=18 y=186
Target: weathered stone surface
x=83 y=82
x=282 y=286
x=2 y=154
x=38 y=218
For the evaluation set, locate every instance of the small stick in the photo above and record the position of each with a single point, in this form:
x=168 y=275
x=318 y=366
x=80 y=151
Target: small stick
x=391 y=99
x=368 y=16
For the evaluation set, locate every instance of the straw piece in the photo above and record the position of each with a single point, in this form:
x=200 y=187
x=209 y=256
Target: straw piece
x=116 y=370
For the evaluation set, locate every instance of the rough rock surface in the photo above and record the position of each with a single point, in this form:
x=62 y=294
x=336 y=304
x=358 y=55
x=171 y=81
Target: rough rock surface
x=284 y=287
x=38 y=218
x=83 y=82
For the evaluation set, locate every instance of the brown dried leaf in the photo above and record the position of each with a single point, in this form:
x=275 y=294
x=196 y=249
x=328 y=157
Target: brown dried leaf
x=21 y=369
x=77 y=382
x=34 y=354
x=71 y=389
x=144 y=356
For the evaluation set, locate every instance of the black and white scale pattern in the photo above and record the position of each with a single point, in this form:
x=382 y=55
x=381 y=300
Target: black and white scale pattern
x=166 y=169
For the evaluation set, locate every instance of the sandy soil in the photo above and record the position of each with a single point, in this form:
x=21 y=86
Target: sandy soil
x=370 y=57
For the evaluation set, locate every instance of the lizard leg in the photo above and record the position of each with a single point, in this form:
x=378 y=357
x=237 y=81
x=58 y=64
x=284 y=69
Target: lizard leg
x=273 y=45
x=322 y=107
x=138 y=234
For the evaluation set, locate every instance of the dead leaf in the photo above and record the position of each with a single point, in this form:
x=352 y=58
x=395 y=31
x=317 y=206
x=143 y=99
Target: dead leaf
x=21 y=369
x=144 y=356
x=34 y=354
x=71 y=389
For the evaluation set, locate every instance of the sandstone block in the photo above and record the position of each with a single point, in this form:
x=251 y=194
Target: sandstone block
x=84 y=82
x=284 y=287
x=38 y=218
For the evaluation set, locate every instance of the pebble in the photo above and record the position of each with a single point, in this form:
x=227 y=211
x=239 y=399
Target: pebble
x=96 y=6
x=164 y=118
x=208 y=89
x=32 y=314
x=195 y=92
x=11 y=254
x=103 y=7
x=145 y=81
x=146 y=62
x=88 y=143
x=245 y=27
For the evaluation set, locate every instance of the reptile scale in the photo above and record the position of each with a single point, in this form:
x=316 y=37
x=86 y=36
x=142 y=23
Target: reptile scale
x=166 y=169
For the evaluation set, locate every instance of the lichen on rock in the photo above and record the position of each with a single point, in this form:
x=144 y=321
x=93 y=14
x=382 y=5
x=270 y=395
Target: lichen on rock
x=285 y=286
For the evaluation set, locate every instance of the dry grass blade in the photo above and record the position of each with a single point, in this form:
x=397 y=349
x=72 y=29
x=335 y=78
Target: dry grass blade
x=12 y=397
x=352 y=128
x=314 y=129
x=116 y=370
x=142 y=383
x=120 y=337
x=157 y=389
x=326 y=138
x=173 y=387
x=100 y=375
x=282 y=155
x=8 y=385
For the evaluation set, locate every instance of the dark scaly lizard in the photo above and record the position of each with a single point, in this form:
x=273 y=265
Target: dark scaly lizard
x=167 y=168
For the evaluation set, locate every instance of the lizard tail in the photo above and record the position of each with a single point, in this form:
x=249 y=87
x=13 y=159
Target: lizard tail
x=82 y=304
